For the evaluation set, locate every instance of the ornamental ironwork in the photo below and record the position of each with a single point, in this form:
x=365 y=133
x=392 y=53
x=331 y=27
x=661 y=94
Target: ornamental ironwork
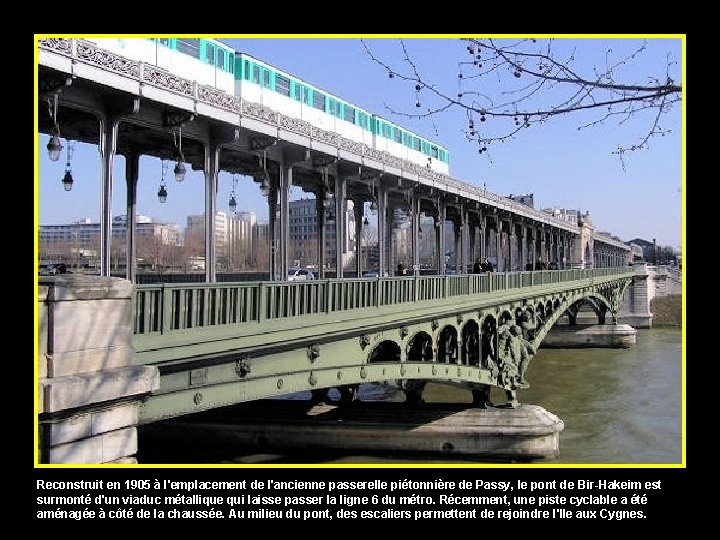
x=218 y=98
x=164 y=79
x=91 y=54
x=295 y=125
x=353 y=146
x=61 y=45
x=325 y=136
x=374 y=154
x=259 y=112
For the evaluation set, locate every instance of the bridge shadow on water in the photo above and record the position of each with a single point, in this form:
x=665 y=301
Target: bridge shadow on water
x=296 y=430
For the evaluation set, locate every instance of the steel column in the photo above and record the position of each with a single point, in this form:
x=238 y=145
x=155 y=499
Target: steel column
x=212 y=153
x=132 y=165
x=108 y=145
x=340 y=216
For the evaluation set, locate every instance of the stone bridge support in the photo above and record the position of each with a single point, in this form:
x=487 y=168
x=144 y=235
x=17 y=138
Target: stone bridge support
x=89 y=384
x=635 y=310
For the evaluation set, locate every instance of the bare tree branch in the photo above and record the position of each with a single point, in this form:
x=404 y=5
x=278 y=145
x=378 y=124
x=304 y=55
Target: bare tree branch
x=530 y=82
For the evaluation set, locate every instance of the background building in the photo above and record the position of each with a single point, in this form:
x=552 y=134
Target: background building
x=303 y=233
x=528 y=199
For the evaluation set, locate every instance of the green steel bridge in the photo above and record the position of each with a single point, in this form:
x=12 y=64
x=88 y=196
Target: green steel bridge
x=113 y=353
x=217 y=344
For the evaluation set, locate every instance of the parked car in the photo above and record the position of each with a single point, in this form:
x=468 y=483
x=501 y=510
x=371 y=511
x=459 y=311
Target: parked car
x=54 y=269
x=300 y=274
x=370 y=274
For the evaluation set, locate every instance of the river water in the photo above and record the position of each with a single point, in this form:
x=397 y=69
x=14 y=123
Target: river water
x=618 y=406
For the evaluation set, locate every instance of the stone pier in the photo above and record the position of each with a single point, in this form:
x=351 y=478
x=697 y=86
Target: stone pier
x=635 y=310
x=430 y=431
x=89 y=386
x=596 y=335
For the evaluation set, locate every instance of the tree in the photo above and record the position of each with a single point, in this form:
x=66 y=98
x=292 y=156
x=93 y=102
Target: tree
x=506 y=86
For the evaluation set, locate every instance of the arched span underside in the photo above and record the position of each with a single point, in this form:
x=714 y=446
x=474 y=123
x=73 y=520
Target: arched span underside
x=476 y=347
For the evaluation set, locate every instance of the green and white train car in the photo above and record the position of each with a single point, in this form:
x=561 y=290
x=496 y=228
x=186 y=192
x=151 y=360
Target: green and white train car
x=214 y=63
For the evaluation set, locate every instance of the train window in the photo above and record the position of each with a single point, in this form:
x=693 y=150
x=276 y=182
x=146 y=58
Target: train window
x=210 y=53
x=231 y=64
x=434 y=151
x=331 y=105
x=416 y=143
x=189 y=46
x=266 y=78
x=221 y=59
x=282 y=85
x=398 y=135
x=164 y=41
x=349 y=113
x=318 y=100
x=256 y=74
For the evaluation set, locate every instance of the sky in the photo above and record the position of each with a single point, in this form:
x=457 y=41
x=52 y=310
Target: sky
x=563 y=166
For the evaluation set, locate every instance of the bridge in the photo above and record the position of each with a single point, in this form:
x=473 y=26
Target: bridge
x=114 y=354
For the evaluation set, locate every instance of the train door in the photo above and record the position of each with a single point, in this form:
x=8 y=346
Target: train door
x=209 y=58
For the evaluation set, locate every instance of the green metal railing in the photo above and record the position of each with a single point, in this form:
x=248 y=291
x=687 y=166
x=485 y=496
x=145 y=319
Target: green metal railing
x=168 y=307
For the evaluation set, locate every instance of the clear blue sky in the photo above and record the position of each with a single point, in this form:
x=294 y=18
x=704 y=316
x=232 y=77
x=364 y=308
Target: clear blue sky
x=563 y=166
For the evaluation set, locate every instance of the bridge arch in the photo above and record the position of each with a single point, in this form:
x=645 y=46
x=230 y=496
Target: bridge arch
x=470 y=353
x=562 y=305
x=596 y=303
x=488 y=329
x=385 y=351
x=420 y=348
x=447 y=346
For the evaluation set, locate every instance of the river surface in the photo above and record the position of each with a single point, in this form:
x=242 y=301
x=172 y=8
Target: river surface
x=618 y=406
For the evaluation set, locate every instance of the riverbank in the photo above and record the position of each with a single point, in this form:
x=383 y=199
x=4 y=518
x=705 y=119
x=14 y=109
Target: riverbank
x=667 y=310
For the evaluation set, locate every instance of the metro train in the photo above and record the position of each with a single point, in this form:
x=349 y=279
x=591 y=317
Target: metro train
x=214 y=63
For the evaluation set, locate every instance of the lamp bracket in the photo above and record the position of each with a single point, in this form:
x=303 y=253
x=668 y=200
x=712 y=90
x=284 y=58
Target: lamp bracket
x=53 y=84
x=177 y=118
x=323 y=160
x=261 y=143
